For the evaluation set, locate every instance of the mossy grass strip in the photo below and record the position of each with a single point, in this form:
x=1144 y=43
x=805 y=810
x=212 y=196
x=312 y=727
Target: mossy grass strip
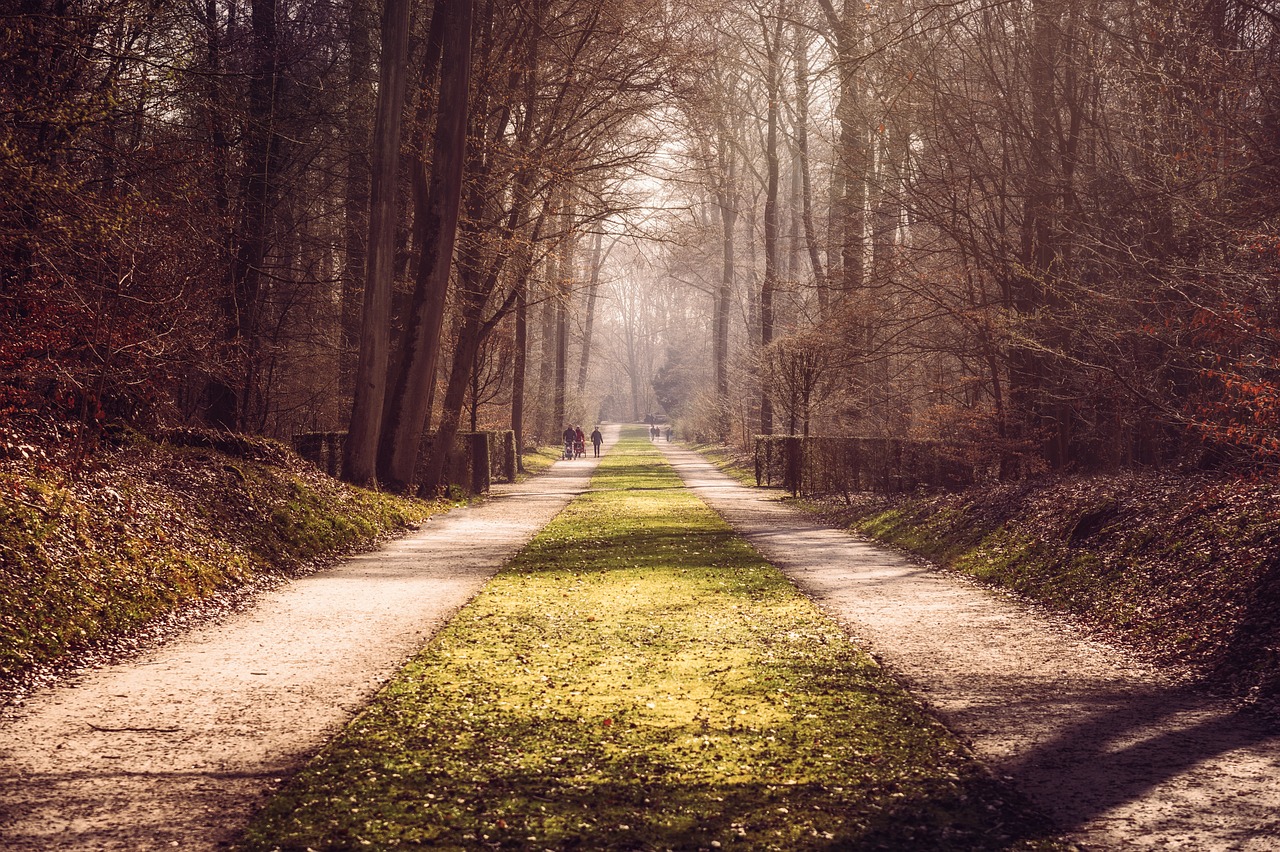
x=537 y=460
x=86 y=559
x=639 y=678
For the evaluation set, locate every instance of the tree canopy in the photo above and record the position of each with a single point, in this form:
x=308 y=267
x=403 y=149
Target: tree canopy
x=1047 y=226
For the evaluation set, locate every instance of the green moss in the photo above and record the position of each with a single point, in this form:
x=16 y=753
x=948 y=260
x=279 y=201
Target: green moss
x=155 y=526
x=639 y=678
x=538 y=460
x=1182 y=567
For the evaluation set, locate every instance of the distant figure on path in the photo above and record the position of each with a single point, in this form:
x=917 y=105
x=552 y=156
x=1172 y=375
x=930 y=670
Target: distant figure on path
x=668 y=434
x=579 y=442
x=568 y=436
x=596 y=440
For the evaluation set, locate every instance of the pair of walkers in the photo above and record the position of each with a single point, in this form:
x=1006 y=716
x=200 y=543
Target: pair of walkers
x=575 y=442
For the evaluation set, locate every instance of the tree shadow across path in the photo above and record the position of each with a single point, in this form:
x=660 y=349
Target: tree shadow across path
x=1208 y=773
x=1121 y=756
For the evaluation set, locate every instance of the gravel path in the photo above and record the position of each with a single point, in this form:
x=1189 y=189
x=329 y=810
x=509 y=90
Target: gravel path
x=1119 y=756
x=178 y=748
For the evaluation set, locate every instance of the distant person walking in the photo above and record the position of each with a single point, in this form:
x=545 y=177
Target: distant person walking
x=668 y=434
x=568 y=436
x=596 y=440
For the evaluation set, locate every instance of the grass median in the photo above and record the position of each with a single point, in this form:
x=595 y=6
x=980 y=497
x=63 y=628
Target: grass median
x=639 y=678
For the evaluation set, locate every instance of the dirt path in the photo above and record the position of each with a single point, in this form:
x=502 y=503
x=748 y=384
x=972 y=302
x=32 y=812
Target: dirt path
x=1119 y=756
x=177 y=748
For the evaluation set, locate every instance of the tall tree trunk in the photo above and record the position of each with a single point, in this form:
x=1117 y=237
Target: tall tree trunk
x=518 y=369
x=584 y=360
x=564 y=292
x=360 y=455
x=229 y=404
x=218 y=394
x=802 y=154
x=356 y=200
x=852 y=155
x=547 y=354
x=726 y=201
x=770 y=282
x=407 y=415
x=1029 y=368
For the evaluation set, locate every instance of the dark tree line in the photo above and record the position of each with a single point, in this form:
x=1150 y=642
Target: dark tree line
x=270 y=217
x=1048 y=228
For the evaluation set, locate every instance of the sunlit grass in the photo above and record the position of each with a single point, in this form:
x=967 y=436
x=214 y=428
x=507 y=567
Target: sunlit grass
x=728 y=460
x=537 y=460
x=639 y=678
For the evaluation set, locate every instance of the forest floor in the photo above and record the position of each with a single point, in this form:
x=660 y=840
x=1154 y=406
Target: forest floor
x=177 y=748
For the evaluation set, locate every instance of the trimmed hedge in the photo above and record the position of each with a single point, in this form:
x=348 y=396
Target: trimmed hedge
x=840 y=465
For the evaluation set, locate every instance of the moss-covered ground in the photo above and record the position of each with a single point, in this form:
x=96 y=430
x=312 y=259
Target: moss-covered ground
x=1182 y=567
x=88 y=554
x=639 y=678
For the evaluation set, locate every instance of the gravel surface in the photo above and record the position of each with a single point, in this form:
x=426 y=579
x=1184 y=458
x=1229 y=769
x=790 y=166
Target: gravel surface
x=179 y=747
x=1120 y=756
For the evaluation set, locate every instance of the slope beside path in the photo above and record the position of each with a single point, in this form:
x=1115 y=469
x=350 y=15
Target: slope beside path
x=178 y=747
x=1121 y=757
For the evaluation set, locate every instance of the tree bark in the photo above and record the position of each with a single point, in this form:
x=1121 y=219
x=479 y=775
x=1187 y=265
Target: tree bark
x=360 y=454
x=402 y=433
x=852 y=154
x=518 y=370
x=356 y=201
x=229 y=403
x=564 y=292
x=802 y=154
x=726 y=202
x=593 y=288
x=770 y=282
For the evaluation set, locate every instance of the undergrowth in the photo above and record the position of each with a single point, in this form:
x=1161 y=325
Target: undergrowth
x=1186 y=568
x=93 y=553
x=639 y=678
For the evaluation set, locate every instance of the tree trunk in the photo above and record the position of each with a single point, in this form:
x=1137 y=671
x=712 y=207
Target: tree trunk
x=402 y=432
x=518 y=371
x=219 y=397
x=360 y=454
x=727 y=204
x=356 y=200
x=564 y=292
x=230 y=403
x=562 y=358
x=592 y=289
x=852 y=154
x=770 y=282
x=546 y=355
x=1029 y=377
x=801 y=131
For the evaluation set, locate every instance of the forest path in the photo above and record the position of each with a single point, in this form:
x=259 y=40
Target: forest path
x=1121 y=757
x=177 y=748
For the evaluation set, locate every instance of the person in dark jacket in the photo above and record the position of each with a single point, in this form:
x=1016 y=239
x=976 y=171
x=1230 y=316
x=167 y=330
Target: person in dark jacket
x=596 y=440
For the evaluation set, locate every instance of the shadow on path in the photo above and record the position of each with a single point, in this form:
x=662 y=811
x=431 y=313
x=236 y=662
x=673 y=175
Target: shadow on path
x=178 y=746
x=1119 y=756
